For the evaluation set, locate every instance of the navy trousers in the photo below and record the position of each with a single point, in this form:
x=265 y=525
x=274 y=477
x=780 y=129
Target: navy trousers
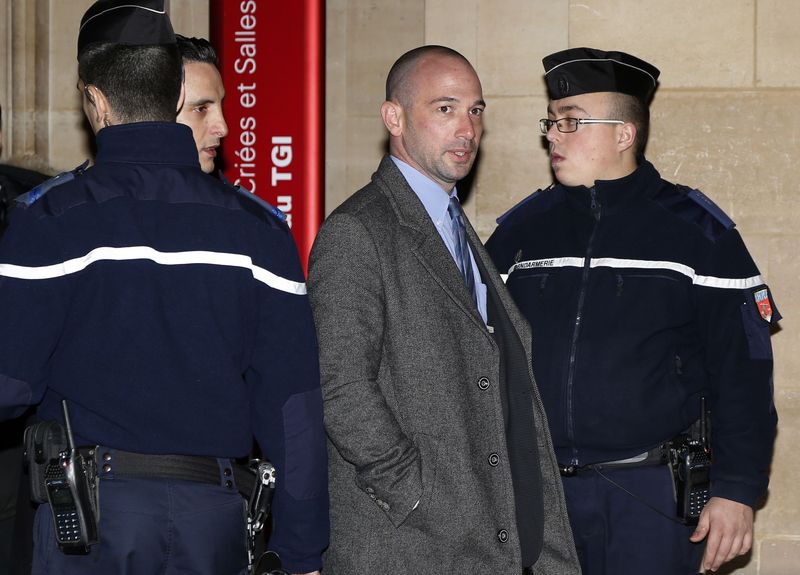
x=150 y=526
x=617 y=534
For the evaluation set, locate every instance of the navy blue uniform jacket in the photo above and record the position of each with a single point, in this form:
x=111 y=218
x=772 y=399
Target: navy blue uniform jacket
x=170 y=311
x=642 y=298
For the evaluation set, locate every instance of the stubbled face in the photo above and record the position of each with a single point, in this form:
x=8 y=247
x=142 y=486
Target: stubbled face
x=441 y=123
x=202 y=110
x=591 y=153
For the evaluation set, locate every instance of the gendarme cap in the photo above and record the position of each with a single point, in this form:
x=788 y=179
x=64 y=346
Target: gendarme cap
x=586 y=70
x=139 y=22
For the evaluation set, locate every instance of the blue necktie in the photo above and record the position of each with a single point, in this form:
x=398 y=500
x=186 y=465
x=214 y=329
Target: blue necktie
x=463 y=260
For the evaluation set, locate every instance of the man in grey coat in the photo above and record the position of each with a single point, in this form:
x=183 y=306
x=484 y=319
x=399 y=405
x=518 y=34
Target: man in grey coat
x=440 y=458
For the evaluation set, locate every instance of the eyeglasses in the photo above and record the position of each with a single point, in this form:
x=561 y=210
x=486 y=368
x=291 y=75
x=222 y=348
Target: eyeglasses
x=568 y=125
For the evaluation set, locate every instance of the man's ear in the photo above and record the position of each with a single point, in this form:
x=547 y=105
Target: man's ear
x=99 y=110
x=627 y=136
x=392 y=114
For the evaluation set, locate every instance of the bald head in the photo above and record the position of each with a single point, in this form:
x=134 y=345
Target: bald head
x=400 y=81
x=433 y=113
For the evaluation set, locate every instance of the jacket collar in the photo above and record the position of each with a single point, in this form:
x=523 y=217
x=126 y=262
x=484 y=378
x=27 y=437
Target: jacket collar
x=148 y=143
x=409 y=208
x=615 y=195
x=433 y=197
x=425 y=241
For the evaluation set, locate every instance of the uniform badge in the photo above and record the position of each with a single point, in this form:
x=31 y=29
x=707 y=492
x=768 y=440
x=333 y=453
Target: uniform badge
x=763 y=304
x=563 y=86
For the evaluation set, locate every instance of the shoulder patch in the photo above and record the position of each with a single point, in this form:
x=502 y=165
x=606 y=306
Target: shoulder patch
x=29 y=198
x=530 y=200
x=764 y=305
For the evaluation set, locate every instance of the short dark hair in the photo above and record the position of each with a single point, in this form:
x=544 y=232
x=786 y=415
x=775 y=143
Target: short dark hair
x=397 y=81
x=197 y=50
x=142 y=83
x=634 y=110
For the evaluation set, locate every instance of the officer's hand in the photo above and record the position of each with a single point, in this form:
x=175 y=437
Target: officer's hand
x=729 y=527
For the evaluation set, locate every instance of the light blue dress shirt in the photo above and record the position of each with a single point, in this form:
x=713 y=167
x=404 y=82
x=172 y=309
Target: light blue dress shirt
x=435 y=200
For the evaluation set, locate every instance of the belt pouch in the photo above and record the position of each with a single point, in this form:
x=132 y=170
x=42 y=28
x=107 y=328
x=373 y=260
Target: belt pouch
x=44 y=441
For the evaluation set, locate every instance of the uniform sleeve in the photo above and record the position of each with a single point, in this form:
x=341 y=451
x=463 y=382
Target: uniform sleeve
x=498 y=250
x=736 y=312
x=286 y=409
x=347 y=295
x=35 y=291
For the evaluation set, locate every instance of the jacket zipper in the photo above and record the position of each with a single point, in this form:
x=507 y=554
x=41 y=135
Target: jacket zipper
x=596 y=211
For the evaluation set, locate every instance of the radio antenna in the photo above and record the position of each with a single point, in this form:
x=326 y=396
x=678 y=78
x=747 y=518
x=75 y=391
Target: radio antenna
x=68 y=425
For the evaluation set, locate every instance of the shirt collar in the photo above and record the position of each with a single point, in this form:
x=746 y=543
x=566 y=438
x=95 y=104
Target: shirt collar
x=433 y=197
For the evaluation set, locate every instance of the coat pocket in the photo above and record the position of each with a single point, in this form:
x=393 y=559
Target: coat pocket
x=429 y=454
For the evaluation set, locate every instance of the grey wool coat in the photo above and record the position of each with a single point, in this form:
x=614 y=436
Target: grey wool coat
x=412 y=403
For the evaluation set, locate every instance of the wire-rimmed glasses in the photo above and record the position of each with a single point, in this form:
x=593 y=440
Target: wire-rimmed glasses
x=569 y=125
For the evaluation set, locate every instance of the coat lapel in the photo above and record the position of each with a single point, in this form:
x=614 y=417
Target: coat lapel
x=424 y=239
x=495 y=286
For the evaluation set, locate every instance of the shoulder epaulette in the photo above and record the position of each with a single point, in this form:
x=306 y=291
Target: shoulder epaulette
x=709 y=206
x=258 y=200
x=276 y=212
x=29 y=198
x=527 y=201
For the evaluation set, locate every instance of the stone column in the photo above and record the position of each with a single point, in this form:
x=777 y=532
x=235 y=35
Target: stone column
x=43 y=122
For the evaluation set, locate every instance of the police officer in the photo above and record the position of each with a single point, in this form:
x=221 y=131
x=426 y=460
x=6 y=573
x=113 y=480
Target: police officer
x=643 y=299
x=169 y=311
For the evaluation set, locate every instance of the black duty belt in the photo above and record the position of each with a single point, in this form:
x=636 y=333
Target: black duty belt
x=655 y=456
x=202 y=469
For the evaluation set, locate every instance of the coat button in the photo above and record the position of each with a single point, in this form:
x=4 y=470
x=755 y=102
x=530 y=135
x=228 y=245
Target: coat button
x=494 y=459
x=502 y=535
x=226 y=472
x=229 y=484
x=483 y=383
x=107 y=468
x=106 y=456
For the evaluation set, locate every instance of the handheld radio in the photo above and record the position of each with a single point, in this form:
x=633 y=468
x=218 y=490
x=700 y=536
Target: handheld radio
x=690 y=460
x=71 y=484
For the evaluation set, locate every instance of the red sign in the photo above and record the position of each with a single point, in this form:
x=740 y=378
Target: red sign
x=271 y=61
